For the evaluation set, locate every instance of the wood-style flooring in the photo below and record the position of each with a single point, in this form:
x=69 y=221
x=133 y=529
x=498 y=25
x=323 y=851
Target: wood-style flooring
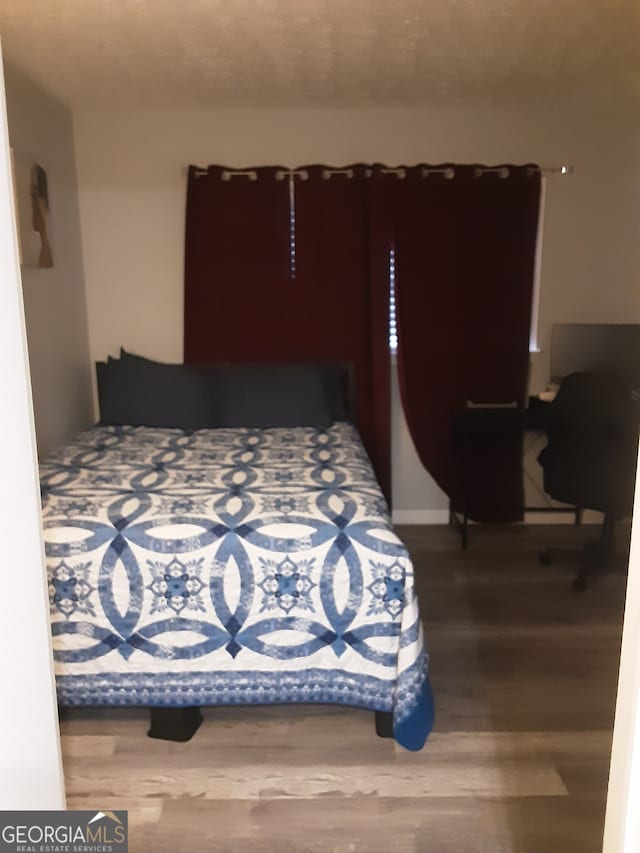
x=524 y=674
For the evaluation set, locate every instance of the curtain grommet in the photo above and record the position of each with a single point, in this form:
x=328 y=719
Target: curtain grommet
x=448 y=173
x=328 y=173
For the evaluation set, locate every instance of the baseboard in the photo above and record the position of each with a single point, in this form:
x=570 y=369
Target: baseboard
x=420 y=516
x=550 y=517
x=441 y=516
x=589 y=516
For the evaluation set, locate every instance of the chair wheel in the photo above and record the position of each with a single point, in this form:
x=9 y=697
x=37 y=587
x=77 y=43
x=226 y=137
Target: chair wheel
x=546 y=558
x=579 y=584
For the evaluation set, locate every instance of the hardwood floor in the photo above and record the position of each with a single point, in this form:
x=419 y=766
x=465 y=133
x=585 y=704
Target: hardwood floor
x=524 y=674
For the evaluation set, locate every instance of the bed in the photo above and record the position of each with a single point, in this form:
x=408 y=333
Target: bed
x=234 y=565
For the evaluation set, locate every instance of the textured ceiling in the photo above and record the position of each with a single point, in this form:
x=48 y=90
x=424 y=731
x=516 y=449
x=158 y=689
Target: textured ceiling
x=201 y=53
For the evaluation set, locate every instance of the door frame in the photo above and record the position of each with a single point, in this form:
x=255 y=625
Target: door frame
x=622 y=823
x=31 y=775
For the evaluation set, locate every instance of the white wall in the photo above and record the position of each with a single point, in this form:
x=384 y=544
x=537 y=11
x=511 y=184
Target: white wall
x=417 y=499
x=30 y=766
x=132 y=196
x=55 y=304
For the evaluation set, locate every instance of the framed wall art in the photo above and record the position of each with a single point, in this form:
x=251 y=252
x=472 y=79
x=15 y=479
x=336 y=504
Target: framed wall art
x=33 y=212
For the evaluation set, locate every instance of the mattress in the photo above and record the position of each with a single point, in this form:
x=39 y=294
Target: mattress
x=230 y=566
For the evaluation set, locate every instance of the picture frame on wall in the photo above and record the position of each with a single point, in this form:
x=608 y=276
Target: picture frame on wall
x=33 y=212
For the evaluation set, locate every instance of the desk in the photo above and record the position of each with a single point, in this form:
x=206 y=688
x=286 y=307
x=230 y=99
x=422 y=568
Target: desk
x=475 y=429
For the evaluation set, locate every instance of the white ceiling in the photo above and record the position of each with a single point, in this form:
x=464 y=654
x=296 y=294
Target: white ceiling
x=203 y=53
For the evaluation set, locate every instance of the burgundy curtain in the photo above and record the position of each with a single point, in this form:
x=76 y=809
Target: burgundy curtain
x=253 y=295
x=236 y=265
x=342 y=283
x=465 y=247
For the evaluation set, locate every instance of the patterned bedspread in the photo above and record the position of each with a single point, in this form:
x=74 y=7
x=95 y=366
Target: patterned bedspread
x=230 y=566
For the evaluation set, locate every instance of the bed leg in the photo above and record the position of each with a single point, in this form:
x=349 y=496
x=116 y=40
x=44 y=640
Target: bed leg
x=384 y=724
x=179 y=724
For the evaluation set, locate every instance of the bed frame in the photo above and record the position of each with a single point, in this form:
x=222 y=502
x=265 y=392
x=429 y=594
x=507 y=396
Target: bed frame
x=180 y=724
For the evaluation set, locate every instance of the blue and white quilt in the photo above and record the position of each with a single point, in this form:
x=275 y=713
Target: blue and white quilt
x=230 y=566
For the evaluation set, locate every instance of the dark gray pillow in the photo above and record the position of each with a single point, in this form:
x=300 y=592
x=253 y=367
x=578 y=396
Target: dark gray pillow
x=270 y=396
x=141 y=392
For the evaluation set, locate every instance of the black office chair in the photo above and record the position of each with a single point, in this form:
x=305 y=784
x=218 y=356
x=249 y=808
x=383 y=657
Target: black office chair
x=590 y=459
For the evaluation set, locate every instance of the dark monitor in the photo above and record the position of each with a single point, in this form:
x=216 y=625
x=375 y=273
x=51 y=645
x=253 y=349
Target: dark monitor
x=612 y=348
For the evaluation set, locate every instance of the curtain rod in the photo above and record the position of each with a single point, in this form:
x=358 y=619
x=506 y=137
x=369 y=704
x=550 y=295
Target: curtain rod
x=400 y=171
x=558 y=170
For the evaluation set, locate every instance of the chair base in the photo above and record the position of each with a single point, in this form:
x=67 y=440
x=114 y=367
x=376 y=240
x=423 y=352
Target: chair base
x=597 y=557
